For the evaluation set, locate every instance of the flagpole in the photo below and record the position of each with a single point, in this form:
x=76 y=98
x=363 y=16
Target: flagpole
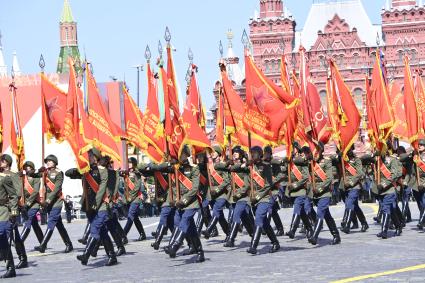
x=42 y=190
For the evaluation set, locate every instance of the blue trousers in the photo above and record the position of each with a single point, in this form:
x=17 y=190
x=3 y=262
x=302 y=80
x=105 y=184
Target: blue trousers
x=299 y=205
x=322 y=207
x=351 y=199
x=5 y=230
x=98 y=229
x=218 y=208
x=420 y=199
x=55 y=218
x=177 y=217
x=187 y=223
x=308 y=205
x=261 y=219
x=32 y=218
x=166 y=218
x=133 y=211
x=407 y=192
x=388 y=202
x=241 y=210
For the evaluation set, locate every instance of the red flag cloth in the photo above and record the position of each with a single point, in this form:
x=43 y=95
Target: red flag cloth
x=16 y=136
x=53 y=107
x=174 y=129
x=315 y=121
x=412 y=117
x=1 y=129
x=106 y=133
x=267 y=105
x=133 y=118
x=372 y=125
x=384 y=112
x=71 y=131
x=342 y=111
x=194 y=134
x=397 y=103
x=234 y=113
x=171 y=82
x=420 y=91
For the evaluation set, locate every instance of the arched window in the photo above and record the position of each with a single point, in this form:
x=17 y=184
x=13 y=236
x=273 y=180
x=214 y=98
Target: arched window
x=358 y=98
x=266 y=66
x=323 y=100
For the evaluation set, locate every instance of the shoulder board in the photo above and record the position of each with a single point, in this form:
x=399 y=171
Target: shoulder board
x=100 y=167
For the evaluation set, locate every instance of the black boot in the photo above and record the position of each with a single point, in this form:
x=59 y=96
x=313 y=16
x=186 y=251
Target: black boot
x=273 y=239
x=354 y=221
x=109 y=249
x=91 y=244
x=20 y=251
x=118 y=242
x=224 y=225
x=294 y=226
x=397 y=223
x=154 y=233
x=191 y=248
x=86 y=234
x=37 y=231
x=67 y=241
x=196 y=242
x=408 y=214
x=254 y=241
x=210 y=227
x=232 y=236
x=24 y=234
x=121 y=233
x=316 y=231
x=140 y=229
x=10 y=266
x=159 y=234
x=334 y=231
x=199 y=221
x=307 y=225
x=362 y=219
x=384 y=228
x=344 y=219
x=378 y=217
x=347 y=226
x=43 y=245
x=178 y=241
x=278 y=223
x=170 y=242
x=421 y=222
x=95 y=249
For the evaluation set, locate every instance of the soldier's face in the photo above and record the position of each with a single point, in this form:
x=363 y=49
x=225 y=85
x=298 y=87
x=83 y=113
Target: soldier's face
x=236 y=156
x=130 y=165
x=3 y=164
x=214 y=155
x=29 y=170
x=50 y=164
x=421 y=148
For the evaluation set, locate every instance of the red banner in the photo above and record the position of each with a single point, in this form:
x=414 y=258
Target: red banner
x=16 y=136
x=133 y=118
x=412 y=117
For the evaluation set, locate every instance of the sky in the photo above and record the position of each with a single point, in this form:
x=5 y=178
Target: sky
x=113 y=34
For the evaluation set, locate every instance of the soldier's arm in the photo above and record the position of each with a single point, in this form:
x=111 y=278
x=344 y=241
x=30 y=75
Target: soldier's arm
x=73 y=173
x=192 y=194
x=396 y=170
x=225 y=183
x=329 y=174
x=164 y=167
x=221 y=166
x=406 y=157
x=13 y=196
x=359 y=169
x=32 y=198
x=58 y=188
x=103 y=186
x=238 y=168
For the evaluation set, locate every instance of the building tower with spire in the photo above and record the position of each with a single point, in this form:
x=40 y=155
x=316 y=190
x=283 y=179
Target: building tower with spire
x=68 y=39
x=15 y=65
x=3 y=67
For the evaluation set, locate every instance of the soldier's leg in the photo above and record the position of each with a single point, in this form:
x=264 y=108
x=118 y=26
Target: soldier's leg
x=112 y=228
x=349 y=206
x=5 y=249
x=386 y=204
x=239 y=210
x=20 y=248
x=271 y=235
x=360 y=215
x=322 y=206
x=332 y=227
x=96 y=224
x=296 y=216
x=407 y=191
x=139 y=227
x=217 y=215
x=248 y=220
x=64 y=235
x=185 y=222
x=176 y=220
x=83 y=239
x=118 y=227
x=132 y=213
x=54 y=216
x=260 y=218
x=27 y=225
x=231 y=211
x=162 y=226
x=37 y=229
x=106 y=240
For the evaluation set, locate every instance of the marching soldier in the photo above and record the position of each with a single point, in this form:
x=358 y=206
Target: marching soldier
x=32 y=202
x=297 y=190
x=353 y=174
x=277 y=178
x=164 y=196
x=261 y=178
x=240 y=195
x=95 y=202
x=53 y=180
x=322 y=177
x=405 y=185
x=415 y=166
x=220 y=191
x=8 y=213
x=187 y=203
x=133 y=191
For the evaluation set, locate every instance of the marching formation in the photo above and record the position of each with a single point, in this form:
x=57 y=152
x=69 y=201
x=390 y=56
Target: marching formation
x=238 y=171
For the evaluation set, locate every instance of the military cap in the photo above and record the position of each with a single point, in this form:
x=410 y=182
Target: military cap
x=51 y=157
x=7 y=158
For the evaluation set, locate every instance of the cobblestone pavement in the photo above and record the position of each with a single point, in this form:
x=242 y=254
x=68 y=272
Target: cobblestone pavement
x=298 y=261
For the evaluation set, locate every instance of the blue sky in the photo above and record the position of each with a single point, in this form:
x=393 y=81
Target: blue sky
x=114 y=34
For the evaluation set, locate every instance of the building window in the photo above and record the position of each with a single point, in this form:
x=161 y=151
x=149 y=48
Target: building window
x=355 y=59
x=266 y=67
x=270 y=27
x=324 y=101
x=322 y=61
x=358 y=98
x=414 y=53
x=400 y=56
x=272 y=65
